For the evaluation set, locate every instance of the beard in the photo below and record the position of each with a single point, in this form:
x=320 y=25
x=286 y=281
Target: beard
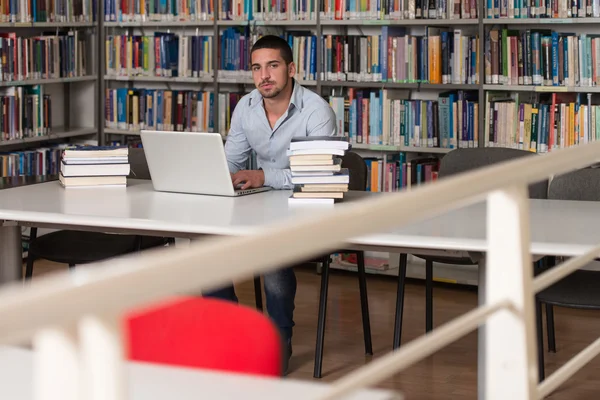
x=273 y=92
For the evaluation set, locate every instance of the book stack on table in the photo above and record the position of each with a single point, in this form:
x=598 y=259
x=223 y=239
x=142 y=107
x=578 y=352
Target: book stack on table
x=84 y=166
x=317 y=173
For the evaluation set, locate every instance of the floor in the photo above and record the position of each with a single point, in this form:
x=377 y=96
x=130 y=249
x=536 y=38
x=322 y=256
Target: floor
x=451 y=373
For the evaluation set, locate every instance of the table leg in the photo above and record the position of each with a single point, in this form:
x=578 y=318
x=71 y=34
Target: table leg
x=481 y=332
x=182 y=243
x=11 y=253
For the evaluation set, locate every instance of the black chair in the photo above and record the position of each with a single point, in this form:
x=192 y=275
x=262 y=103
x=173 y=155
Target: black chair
x=580 y=288
x=81 y=247
x=358 y=182
x=455 y=162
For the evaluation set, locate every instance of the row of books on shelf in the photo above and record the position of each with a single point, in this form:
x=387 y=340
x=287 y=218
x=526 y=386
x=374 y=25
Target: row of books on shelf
x=34 y=162
x=530 y=57
x=288 y=10
x=165 y=54
x=45 y=56
x=542 y=57
x=348 y=10
x=440 y=56
x=542 y=9
x=384 y=117
x=557 y=121
x=227 y=103
x=45 y=11
x=261 y=10
x=236 y=44
x=399 y=9
x=389 y=117
x=26 y=112
x=154 y=10
x=304 y=10
x=397 y=173
x=157 y=109
x=538 y=123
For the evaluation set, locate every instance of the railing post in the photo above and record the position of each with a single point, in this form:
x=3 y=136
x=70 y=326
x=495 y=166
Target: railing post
x=102 y=358
x=510 y=350
x=56 y=368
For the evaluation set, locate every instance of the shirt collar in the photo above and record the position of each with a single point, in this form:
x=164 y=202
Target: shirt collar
x=296 y=98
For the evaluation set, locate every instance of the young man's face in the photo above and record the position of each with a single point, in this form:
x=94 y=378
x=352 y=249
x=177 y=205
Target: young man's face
x=270 y=72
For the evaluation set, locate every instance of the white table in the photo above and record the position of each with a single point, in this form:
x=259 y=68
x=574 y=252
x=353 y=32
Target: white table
x=563 y=228
x=154 y=382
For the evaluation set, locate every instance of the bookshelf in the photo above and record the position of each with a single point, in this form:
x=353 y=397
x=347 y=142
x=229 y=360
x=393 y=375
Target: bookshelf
x=48 y=83
x=493 y=79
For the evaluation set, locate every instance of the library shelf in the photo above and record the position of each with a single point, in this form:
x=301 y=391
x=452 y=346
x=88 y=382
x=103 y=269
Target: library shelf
x=542 y=89
x=141 y=24
x=393 y=148
x=285 y=22
x=148 y=78
x=401 y=22
x=29 y=82
x=540 y=21
x=397 y=85
x=58 y=133
x=21 y=25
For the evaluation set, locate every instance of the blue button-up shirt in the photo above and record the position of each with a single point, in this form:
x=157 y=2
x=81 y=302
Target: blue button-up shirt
x=308 y=114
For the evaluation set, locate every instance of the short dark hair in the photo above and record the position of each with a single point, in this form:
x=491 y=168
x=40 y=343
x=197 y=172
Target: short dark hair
x=274 y=42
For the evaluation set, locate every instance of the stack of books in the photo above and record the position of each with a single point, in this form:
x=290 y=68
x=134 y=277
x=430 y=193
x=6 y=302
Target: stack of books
x=85 y=166
x=317 y=173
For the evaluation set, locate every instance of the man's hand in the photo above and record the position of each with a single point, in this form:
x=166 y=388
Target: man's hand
x=251 y=179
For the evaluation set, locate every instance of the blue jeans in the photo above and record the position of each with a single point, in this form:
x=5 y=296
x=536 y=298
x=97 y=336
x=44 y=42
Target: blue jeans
x=280 y=292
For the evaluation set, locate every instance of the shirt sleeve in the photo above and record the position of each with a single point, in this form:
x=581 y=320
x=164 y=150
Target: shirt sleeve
x=321 y=122
x=237 y=148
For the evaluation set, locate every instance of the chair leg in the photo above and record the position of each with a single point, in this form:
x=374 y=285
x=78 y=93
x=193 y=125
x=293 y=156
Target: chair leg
x=321 y=320
x=550 y=328
x=364 y=301
x=258 y=293
x=428 y=296
x=540 y=339
x=400 y=301
x=138 y=243
x=30 y=257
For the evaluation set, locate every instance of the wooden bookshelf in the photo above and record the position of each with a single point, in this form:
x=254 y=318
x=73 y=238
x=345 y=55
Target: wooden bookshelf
x=318 y=21
x=53 y=106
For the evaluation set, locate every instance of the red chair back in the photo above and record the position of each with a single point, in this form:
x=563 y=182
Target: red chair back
x=205 y=333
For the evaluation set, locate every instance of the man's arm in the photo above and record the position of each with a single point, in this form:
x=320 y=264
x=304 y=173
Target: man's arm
x=321 y=122
x=237 y=148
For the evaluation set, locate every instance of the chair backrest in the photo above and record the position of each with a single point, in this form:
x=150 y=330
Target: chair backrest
x=208 y=333
x=582 y=185
x=358 y=170
x=138 y=164
x=462 y=160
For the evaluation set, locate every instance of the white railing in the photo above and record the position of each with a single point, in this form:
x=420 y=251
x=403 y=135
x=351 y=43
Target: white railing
x=85 y=335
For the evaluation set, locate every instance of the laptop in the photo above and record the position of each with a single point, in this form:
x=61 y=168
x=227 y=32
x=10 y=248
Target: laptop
x=189 y=162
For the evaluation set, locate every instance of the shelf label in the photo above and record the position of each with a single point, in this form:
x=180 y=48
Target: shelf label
x=376 y=22
x=551 y=89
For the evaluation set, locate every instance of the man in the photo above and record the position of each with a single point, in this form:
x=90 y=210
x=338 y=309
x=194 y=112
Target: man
x=265 y=121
